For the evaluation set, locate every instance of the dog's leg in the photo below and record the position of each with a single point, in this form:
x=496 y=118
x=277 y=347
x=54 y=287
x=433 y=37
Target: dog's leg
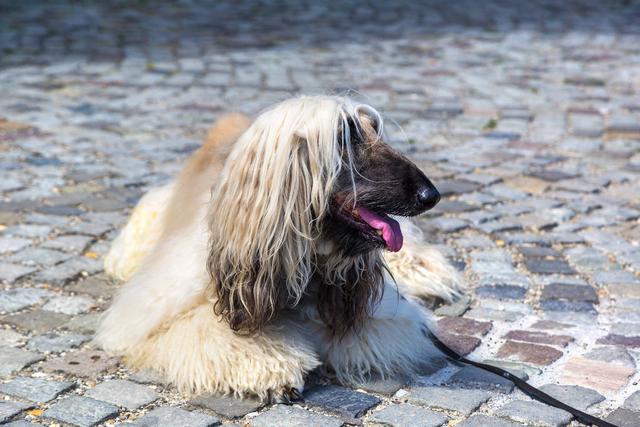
x=420 y=270
x=199 y=353
x=392 y=342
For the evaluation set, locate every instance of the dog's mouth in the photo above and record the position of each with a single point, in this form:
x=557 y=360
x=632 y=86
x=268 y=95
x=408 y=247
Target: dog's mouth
x=376 y=226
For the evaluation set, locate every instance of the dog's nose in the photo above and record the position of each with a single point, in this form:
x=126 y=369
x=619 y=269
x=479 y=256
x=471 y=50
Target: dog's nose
x=428 y=197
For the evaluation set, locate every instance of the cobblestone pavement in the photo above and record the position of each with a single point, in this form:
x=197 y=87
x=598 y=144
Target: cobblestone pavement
x=526 y=115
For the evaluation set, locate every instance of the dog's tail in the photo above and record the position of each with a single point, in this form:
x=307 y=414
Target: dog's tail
x=224 y=132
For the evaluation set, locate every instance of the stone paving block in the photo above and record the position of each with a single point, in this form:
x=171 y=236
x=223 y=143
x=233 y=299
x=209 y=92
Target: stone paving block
x=461 y=325
x=11 y=338
x=481 y=420
x=292 y=416
x=35 y=389
x=55 y=343
x=38 y=256
x=68 y=243
x=538 y=337
x=36 y=321
x=501 y=292
x=11 y=272
x=81 y=411
x=19 y=298
x=460 y=400
x=12 y=244
x=227 y=406
x=622 y=417
x=389 y=386
x=573 y=395
x=457 y=308
x=449 y=225
x=21 y=423
x=632 y=402
x=68 y=270
x=343 y=401
x=485 y=313
x=123 y=393
x=529 y=353
x=94 y=286
x=69 y=304
x=83 y=363
x=616 y=355
x=404 y=414
x=521 y=370
x=534 y=412
x=11 y=409
x=545 y=266
x=14 y=359
x=615 y=339
x=474 y=378
x=562 y=306
x=461 y=344
x=550 y=325
x=569 y=292
x=600 y=376
x=168 y=416
x=86 y=324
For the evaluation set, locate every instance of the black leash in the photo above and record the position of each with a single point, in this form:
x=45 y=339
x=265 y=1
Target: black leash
x=527 y=388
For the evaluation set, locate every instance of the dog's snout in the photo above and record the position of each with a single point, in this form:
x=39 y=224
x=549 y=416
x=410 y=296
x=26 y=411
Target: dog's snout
x=428 y=197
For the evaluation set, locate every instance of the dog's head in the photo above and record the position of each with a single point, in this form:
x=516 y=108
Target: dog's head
x=310 y=179
x=376 y=181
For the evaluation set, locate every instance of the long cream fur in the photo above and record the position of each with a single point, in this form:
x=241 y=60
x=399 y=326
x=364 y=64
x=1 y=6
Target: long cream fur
x=254 y=189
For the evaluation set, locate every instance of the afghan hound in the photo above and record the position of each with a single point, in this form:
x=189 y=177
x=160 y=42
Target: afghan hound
x=274 y=253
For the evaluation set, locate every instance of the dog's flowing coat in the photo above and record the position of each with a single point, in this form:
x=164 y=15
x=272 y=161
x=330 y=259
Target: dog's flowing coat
x=234 y=283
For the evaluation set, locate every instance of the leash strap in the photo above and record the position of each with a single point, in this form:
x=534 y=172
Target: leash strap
x=526 y=388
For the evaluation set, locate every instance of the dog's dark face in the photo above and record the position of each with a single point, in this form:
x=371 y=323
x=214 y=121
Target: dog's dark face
x=386 y=183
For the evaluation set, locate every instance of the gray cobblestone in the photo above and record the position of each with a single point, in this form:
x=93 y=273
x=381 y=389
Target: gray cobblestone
x=35 y=389
x=9 y=409
x=292 y=416
x=408 y=415
x=227 y=406
x=13 y=360
x=123 y=393
x=19 y=298
x=81 y=411
x=347 y=403
x=534 y=412
x=167 y=416
x=55 y=343
x=459 y=400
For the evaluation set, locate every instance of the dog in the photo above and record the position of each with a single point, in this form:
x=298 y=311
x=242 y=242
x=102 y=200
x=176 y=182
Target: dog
x=274 y=253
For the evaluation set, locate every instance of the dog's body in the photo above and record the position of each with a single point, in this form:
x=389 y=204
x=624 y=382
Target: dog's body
x=189 y=311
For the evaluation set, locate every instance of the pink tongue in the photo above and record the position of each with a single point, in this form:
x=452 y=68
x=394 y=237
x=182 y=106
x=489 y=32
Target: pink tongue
x=390 y=228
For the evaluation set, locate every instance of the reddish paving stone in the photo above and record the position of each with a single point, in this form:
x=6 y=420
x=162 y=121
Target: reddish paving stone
x=85 y=363
x=550 y=324
x=539 y=337
x=569 y=292
x=529 y=353
x=464 y=326
x=462 y=344
x=615 y=339
x=601 y=376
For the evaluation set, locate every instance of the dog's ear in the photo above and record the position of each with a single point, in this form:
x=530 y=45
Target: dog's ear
x=265 y=213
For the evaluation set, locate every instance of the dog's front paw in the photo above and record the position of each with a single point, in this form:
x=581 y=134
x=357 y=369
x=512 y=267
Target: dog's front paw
x=286 y=395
